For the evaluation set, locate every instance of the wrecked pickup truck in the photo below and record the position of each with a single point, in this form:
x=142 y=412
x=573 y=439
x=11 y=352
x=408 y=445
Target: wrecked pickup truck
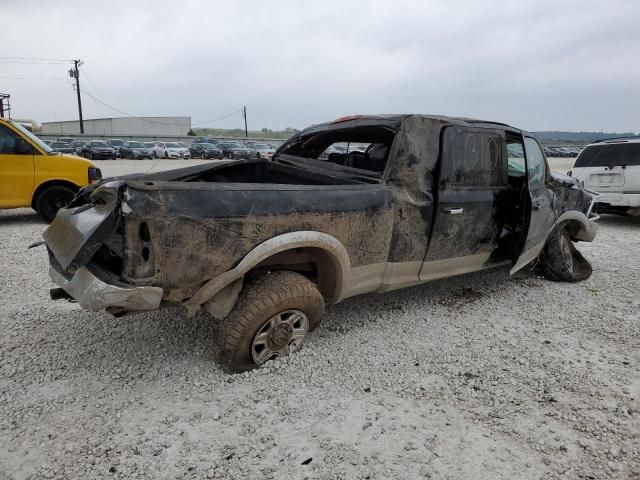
x=361 y=204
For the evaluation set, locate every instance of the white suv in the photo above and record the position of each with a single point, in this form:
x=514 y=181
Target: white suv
x=612 y=168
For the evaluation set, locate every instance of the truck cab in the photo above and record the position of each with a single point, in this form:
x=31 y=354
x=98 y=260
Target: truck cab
x=33 y=175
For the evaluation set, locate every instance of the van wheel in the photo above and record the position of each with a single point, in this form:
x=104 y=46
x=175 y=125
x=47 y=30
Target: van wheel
x=52 y=199
x=272 y=317
x=561 y=261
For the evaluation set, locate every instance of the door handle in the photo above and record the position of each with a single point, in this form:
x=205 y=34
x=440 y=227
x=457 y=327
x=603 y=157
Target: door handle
x=454 y=210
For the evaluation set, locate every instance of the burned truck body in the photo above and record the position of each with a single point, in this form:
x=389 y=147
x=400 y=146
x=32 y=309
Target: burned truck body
x=362 y=204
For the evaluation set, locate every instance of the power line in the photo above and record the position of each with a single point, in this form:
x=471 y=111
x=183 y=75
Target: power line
x=154 y=121
x=31 y=78
x=218 y=119
x=127 y=113
x=38 y=59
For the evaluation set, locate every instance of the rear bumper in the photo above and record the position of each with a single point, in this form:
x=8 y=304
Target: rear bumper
x=630 y=200
x=95 y=294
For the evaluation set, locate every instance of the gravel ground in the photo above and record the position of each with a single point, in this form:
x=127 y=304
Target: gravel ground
x=480 y=376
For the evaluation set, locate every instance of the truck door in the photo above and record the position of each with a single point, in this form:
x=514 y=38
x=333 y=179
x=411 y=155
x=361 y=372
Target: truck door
x=539 y=201
x=467 y=219
x=16 y=169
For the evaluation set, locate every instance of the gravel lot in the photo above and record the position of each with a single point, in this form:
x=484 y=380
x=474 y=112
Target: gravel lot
x=480 y=376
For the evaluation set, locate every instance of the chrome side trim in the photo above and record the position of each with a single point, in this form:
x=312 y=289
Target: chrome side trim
x=387 y=276
x=454 y=266
x=383 y=277
x=94 y=294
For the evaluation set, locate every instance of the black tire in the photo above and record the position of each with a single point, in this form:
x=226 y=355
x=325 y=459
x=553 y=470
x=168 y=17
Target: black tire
x=204 y=156
x=260 y=299
x=560 y=261
x=166 y=154
x=51 y=199
x=90 y=156
x=155 y=155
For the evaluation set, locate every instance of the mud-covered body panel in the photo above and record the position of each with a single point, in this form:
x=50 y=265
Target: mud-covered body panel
x=196 y=234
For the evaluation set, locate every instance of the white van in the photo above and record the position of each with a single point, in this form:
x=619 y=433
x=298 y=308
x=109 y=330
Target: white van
x=611 y=168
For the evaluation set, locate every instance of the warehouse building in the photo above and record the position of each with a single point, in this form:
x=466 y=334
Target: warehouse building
x=126 y=126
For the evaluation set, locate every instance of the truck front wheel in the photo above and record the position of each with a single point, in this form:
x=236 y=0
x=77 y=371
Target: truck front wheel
x=561 y=261
x=272 y=317
x=52 y=199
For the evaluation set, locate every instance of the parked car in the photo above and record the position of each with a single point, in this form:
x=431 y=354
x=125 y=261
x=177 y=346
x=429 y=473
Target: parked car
x=116 y=144
x=170 y=150
x=205 y=150
x=204 y=140
x=98 y=149
x=66 y=139
x=234 y=150
x=34 y=175
x=612 y=168
x=62 y=147
x=261 y=150
x=77 y=146
x=136 y=150
x=263 y=246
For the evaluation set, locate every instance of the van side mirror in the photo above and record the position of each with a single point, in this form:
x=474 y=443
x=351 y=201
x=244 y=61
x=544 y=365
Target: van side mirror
x=22 y=147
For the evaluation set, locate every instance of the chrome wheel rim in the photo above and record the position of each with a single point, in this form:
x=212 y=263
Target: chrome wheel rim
x=279 y=336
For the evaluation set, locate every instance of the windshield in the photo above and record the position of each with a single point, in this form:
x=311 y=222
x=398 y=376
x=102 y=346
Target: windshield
x=208 y=146
x=99 y=144
x=32 y=137
x=59 y=144
x=262 y=146
x=117 y=143
x=136 y=145
x=173 y=145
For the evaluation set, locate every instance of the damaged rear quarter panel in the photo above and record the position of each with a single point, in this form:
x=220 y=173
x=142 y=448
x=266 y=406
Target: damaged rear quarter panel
x=199 y=230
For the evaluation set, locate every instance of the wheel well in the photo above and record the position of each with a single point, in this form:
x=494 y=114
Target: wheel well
x=572 y=227
x=51 y=183
x=316 y=264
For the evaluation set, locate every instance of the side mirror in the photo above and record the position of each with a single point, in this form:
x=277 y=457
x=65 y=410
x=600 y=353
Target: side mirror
x=22 y=147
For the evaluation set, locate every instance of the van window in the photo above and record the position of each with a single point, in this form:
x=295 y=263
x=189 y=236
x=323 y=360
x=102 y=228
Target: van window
x=7 y=141
x=609 y=154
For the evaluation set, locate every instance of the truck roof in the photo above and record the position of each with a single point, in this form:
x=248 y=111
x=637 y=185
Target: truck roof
x=394 y=120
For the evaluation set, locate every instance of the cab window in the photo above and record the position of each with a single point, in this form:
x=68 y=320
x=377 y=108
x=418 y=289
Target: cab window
x=475 y=157
x=535 y=162
x=515 y=157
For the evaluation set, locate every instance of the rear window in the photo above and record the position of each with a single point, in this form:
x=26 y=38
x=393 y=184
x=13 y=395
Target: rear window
x=364 y=147
x=609 y=154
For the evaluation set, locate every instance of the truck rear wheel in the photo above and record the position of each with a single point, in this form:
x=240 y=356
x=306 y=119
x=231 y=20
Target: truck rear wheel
x=561 y=261
x=52 y=199
x=272 y=317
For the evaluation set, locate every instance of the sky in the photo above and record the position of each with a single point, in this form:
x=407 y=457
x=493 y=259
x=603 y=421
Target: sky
x=535 y=64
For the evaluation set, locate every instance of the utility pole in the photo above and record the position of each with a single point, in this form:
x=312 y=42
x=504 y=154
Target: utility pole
x=244 y=114
x=75 y=73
